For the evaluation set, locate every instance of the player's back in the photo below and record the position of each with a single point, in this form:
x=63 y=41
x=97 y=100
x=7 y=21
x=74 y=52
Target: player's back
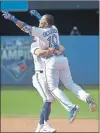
x=52 y=36
x=49 y=36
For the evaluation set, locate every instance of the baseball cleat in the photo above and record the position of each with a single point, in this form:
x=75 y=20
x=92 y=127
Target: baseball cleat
x=47 y=128
x=91 y=103
x=39 y=127
x=72 y=114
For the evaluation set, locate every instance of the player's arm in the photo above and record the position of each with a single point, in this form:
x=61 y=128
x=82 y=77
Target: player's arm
x=36 y=13
x=60 y=50
x=23 y=26
x=40 y=52
x=49 y=51
x=33 y=31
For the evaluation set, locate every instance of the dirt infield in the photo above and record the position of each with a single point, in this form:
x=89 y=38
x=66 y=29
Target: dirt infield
x=29 y=125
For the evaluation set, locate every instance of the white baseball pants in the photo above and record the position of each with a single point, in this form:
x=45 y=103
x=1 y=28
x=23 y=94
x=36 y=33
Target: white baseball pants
x=56 y=68
x=39 y=83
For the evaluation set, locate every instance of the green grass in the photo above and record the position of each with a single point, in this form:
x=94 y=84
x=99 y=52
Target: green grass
x=27 y=103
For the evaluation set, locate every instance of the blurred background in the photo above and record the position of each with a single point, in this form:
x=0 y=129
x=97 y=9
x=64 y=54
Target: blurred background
x=78 y=25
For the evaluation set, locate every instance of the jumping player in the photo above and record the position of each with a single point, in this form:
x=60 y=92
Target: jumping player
x=66 y=74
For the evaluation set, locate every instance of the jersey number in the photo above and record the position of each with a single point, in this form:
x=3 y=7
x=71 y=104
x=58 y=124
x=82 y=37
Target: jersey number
x=53 y=40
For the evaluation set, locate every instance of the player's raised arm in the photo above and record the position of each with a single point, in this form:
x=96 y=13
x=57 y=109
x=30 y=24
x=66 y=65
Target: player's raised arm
x=33 y=31
x=35 y=13
x=23 y=26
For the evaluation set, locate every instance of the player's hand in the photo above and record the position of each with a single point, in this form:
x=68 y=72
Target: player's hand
x=51 y=51
x=35 y=13
x=57 y=52
x=7 y=15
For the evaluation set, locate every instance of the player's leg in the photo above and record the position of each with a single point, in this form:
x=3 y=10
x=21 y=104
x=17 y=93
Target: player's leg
x=52 y=79
x=66 y=103
x=39 y=84
x=46 y=109
x=66 y=78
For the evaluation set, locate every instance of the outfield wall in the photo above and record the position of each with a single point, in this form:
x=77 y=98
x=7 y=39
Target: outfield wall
x=17 y=66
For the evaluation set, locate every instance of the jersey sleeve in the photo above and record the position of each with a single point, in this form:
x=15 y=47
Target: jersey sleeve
x=33 y=31
x=53 y=26
x=26 y=28
x=33 y=48
x=38 y=32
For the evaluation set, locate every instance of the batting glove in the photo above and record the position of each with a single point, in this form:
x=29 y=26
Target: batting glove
x=7 y=15
x=35 y=13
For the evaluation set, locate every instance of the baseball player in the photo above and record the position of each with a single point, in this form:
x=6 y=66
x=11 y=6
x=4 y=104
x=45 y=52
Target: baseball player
x=40 y=84
x=66 y=78
x=55 y=66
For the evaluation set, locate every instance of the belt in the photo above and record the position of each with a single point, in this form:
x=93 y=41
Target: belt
x=39 y=71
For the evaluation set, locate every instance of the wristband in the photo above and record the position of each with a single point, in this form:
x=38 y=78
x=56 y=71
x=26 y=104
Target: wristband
x=38 y=16
x=15 y=20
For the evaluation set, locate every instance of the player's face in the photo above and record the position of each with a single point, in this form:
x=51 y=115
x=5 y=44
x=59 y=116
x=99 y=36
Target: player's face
x=43 y=23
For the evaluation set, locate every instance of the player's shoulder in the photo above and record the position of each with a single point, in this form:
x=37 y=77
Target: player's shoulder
x=53 y=26
x=41 y=29
x=51 y=29
x=34 y=44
